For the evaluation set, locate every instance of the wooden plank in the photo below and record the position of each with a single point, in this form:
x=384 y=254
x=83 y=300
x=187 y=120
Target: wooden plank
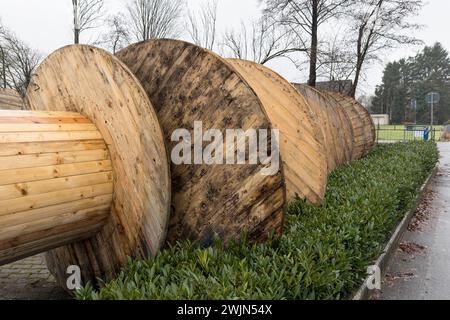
x=50 y=239
x=64 y=208
x=53 y=198
x=50 y=159
x=40 y=114
x=18 y=233
x=37 y=120
x=21 y=127
x=45 y=186
x=50 y=172
x=16 y=149
x=13 y=137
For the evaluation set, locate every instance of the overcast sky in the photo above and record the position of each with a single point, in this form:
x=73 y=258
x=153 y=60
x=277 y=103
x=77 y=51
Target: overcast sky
x=46 y=26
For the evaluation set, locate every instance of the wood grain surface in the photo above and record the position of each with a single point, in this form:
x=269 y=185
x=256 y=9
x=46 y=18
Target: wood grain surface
x=89 y=81
x=35 y=207
x=302 y=143
x=186 y=84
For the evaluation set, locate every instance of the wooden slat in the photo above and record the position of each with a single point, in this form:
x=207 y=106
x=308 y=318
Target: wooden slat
x=21 y=127
x=48 y=136
x=50 y=239
x=37 y=120
x=40 y=114
x=50 y=172
x=43 y=213
x=16 y=149
x=45 y=186
x=50 y=159
x=53 y=198
x=18 y=232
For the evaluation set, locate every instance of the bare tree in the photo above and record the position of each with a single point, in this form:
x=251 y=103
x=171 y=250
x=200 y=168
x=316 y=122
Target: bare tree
x=264 y=42
x=336 y=59
x=18 y=61
x=202 y=28
x=304 y=18
x=118 y=35
x=86 y=13
x=151 y=19
x=381 y=25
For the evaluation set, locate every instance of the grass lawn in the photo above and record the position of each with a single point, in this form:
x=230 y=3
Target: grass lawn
x=399 y=133
x=323 y=254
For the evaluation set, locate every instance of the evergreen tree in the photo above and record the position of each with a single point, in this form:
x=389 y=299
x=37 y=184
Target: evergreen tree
x=412 y=79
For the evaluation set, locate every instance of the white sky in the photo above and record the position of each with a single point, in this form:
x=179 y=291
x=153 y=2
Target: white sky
x=46 y=26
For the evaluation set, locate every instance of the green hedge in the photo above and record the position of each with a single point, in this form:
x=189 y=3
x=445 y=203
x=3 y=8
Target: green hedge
x=323 y=254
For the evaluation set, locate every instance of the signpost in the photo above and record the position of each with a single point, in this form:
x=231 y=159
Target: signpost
x=414 y=107
x=433 y=98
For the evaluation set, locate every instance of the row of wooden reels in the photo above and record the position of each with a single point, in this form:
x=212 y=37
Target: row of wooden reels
x=87 y=175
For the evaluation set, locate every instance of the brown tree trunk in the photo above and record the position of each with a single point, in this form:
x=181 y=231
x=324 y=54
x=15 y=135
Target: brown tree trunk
x=314 y=44
x=2 y=52
x=77 y=36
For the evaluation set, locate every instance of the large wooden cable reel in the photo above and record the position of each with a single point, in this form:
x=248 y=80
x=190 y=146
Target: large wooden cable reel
x=302 y=142
x=84 y=85
x=187 y=83
x=336 y=141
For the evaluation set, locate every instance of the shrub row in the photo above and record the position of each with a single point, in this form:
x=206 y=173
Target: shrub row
x=323 y=254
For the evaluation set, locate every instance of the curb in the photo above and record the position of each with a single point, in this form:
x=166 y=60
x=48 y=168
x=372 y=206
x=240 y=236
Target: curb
x=364 y=293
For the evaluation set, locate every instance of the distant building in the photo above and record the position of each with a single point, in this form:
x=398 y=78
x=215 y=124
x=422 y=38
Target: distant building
x=341 y=86
x=380 y=119
x=10 y=100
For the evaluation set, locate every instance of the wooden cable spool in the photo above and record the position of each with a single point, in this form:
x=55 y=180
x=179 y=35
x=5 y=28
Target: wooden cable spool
x=334 y=129
x=302 y=142
x=10 y=100
x=187 y=83
x=87 y=168
x=55 y=181
x=361 y=122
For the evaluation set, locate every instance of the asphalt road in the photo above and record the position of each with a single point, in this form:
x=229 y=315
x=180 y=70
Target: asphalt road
x=420 y=269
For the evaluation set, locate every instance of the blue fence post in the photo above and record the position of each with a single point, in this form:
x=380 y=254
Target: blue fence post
x=426 y=134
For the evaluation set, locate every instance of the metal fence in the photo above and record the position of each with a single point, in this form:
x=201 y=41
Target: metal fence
x=403 y=133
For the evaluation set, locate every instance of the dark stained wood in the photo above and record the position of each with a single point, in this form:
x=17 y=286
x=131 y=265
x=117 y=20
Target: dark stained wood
x=187 y=83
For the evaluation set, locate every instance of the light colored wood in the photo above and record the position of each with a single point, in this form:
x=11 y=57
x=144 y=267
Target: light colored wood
x=187 y=83
x=302 y=142
x=52 y=198
x=46 y=127
x=15 y=219
x=329 y=121
x=11 y=100
x=50 y=159
x=17 y=149
x=20 y=190
x=90 y=81
x=57 y=186
x=16 y=232
x=13 y=137
x=357 y=123
x=50 y=172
